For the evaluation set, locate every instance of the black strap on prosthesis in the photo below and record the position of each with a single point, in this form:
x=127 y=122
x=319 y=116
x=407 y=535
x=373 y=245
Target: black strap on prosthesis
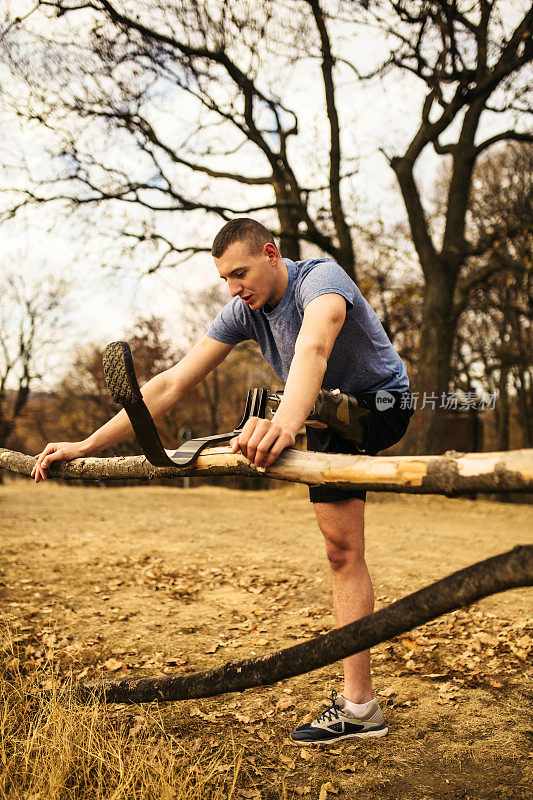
x=124 y=389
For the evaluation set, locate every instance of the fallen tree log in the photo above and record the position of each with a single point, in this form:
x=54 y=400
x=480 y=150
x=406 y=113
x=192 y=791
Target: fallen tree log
x=450 y=474
x=506 y=571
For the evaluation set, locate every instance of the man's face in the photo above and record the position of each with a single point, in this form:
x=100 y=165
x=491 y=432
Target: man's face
x=254 y=279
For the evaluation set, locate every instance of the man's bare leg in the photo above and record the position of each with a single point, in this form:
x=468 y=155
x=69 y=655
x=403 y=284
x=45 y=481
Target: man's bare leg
x=342 y=524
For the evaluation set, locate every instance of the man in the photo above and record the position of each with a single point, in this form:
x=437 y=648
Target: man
x=316 y=331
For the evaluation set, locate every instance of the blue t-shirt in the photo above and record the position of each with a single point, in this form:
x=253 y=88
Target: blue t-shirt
x=362 y=359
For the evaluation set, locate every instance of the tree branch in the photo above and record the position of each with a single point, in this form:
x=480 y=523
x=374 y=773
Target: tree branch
x=415 y=212
x=450 y=474
x=471 y=282
x=509 y=135
x=142 y=125
x=508 y=570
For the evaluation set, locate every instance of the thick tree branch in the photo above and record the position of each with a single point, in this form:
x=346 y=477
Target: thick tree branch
x=450 y=474
x=467 y=285
x=130 y=194
x=509 y=570
x=510 y=60
x=417 y=219
x=454 y=245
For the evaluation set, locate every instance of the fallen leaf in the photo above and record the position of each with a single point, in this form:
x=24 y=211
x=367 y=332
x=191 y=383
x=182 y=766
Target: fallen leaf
x=136 y=727
x=290 y=762
x=447 y=691
x=241 y=717
x=112 y=664
x=305 y=754
x=410 y=644
x=196 y=712
x=177 y=661
x=387 y=692
x=285 y=703
x=327 y=788
x=301 y=790
x=84 y=673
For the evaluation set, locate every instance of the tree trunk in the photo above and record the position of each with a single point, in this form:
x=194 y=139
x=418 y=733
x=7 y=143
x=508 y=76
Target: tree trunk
x=437 y=332
x=288 y=223
x=504 y=415
x=525 y=397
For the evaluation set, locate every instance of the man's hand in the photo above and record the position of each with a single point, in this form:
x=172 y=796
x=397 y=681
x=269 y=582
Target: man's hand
x=261 y=441
x=57 y=451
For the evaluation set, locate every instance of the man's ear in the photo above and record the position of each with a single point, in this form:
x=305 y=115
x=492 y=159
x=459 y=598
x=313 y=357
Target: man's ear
x=271 y=251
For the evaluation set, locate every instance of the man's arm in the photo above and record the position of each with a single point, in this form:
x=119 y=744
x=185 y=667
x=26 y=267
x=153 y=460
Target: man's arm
x=160 y=394
x=261 y=441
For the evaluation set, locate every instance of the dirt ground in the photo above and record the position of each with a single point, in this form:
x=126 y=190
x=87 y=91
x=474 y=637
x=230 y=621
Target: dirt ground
x=155 y=579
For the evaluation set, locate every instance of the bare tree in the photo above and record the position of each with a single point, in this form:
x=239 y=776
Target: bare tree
x=222 y=65
x=495 y=335
x=31 y=319
x=391 y=280
x=471 y=65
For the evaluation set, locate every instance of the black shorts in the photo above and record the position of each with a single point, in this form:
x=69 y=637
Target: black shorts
x=382 y=429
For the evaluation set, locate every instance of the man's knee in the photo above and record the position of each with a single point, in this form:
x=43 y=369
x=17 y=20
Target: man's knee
x=342 y=525
x=345 y=546
x=341 y=555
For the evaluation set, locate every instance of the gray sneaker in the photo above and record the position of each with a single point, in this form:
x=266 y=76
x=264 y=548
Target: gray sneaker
x=336 y=724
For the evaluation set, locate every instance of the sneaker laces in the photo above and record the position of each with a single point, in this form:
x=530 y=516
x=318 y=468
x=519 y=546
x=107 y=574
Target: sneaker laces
x=332 y=711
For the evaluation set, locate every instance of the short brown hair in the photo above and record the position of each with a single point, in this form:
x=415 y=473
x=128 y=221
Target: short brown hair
x=243 y=229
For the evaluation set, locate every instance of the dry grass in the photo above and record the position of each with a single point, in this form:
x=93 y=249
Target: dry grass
x=52 y=747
